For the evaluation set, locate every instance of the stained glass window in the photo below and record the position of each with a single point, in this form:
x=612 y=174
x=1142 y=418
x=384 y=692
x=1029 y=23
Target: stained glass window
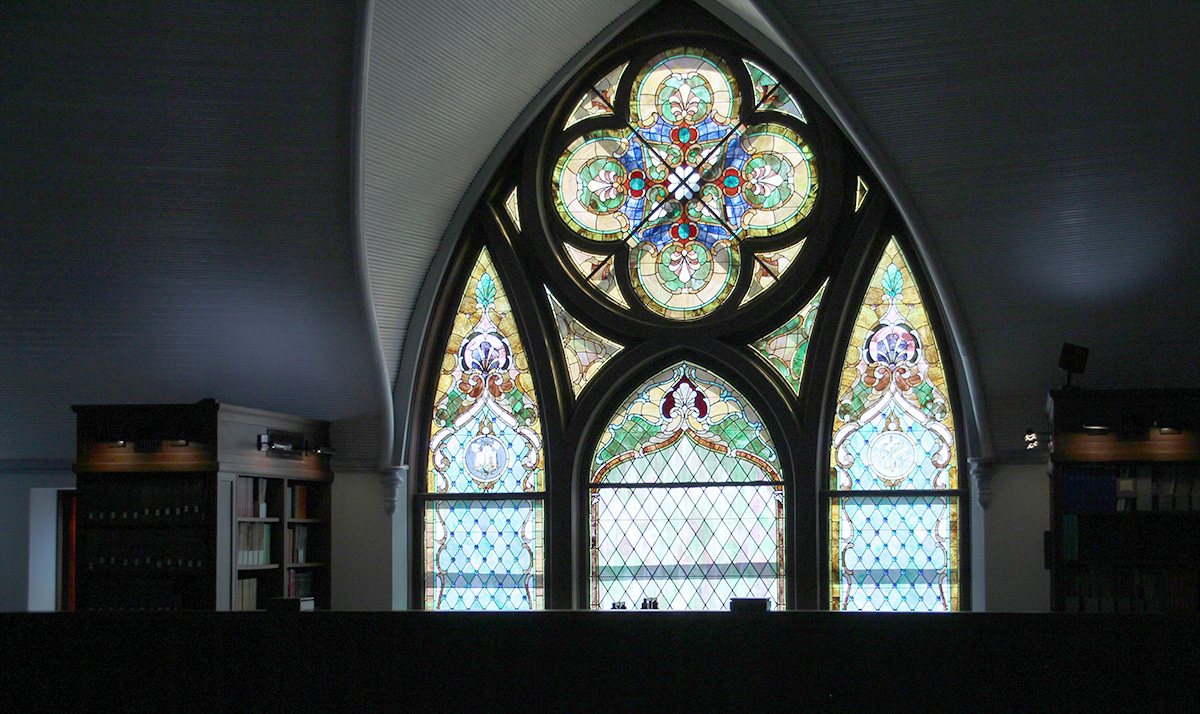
x=786 y=347
x=584 y=351
x=893 y=431
x=686 y=181
x=694 y=210
x=686 y=498
x=485 y=438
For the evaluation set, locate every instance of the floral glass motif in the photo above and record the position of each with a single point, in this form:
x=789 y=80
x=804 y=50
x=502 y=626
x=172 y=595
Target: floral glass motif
x=486 y=432
x=597 y=269
x=776 y=97
x=893 y=427
x=584 y=351
x=597 y=101
x=511 y=208
x=894 y=554
x=769 y=266
x=893 y=431
x=685 y=182
x=786 y=347
x=484 y=555
x=686 y=500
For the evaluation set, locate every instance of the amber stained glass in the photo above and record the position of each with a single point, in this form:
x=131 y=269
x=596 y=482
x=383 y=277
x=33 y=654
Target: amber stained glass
x=486 y=431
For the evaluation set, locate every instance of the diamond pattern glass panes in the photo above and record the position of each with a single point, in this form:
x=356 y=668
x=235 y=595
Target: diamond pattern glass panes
x=597 y=270
x=584 y=351
x=511 y=208
x=597 y=101
x=769 y=266
x=769 y=95
x=893 y=428
x=726 y=440
x=894 y=554
x=484 y=555
x=486 y=430
x=786 y=347
x=684 y=183
x=716 y=531
x=690 y=548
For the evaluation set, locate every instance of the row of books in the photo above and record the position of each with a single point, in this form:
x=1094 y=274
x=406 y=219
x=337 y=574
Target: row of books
x=299 y=583
x=252 y=497
x=245 y=597
x=135 y=594
x=298 y=498
x=137 y=550
x=297 y=543
x=148 y=500
x=1132 y=487
x=1131 y=589
x=254 y=544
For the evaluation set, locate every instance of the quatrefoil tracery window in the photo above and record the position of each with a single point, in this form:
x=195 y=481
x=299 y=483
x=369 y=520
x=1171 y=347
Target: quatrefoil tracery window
x=635 y=370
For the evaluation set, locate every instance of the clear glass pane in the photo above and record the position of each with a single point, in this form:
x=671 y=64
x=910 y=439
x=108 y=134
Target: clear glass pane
x=689 y=548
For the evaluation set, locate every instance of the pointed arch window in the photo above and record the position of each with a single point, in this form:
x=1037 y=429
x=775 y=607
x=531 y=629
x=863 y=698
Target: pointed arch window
x=656 y=374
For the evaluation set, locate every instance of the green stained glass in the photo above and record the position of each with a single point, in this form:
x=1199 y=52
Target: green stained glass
x=687 y=500
x=484 y=555
x=486 y=431
x=786 y=347
x=769 y=94
x=894 y=554
x=585 y=352
x=689 y=548
x=686 y=402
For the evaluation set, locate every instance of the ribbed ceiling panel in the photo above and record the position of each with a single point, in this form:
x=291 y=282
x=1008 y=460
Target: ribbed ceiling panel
x=444 y=81
x=175 y=212
x=1050 y=152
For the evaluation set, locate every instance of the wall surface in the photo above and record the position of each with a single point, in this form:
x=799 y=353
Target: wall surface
x=15 y=489
x=362 y=544
x=1017 y=580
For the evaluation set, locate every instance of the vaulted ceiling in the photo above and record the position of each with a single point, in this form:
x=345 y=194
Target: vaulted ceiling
x=243 y=200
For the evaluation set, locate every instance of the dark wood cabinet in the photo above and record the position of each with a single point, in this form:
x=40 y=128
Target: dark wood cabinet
x=1125 y=501
x=199 y=507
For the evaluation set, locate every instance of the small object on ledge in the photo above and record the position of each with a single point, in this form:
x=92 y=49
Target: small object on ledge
x=748 y=604
x=291 y=604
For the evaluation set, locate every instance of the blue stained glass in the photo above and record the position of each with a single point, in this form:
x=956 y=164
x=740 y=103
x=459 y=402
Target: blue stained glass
x=893 y=448
x=895 y=554
x=484 y=555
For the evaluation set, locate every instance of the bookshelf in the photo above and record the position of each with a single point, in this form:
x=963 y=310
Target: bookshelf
x=1125 y=501
x=194 y=507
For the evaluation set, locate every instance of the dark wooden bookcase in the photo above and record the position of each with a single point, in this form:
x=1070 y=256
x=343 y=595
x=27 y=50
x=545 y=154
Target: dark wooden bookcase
x=190 y=507
x=1125 y=501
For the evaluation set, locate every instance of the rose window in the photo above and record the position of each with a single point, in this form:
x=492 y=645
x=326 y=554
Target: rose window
x=688 y=183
